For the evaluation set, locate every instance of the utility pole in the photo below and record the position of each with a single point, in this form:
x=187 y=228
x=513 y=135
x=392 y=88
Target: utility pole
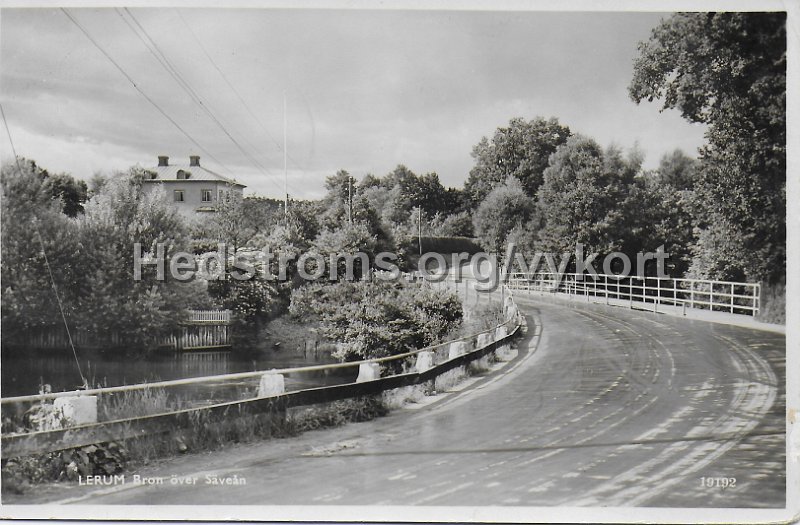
x=285 y=172
x=350 y=199
x=419 y=221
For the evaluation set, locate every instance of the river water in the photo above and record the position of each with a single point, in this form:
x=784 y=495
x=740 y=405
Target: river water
x=24 y=372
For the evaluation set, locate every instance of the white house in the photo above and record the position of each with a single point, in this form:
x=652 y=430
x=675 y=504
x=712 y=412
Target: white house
x=193 y=189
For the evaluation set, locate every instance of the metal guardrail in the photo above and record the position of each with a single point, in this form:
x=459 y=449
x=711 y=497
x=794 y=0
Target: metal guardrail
x=718 y=296
x=17 y=444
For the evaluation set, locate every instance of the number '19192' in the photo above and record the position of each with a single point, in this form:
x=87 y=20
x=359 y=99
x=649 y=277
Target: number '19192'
x=722 y=483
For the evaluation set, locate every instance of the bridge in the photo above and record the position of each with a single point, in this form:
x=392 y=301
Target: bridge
x=607 y=402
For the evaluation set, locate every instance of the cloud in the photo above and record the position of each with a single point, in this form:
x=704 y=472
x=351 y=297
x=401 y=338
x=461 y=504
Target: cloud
x=366 y=90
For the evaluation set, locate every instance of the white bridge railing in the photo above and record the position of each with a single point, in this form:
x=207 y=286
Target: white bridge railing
x=717 y=296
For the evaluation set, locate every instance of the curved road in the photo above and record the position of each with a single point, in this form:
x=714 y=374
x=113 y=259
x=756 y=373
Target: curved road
x=607 y=407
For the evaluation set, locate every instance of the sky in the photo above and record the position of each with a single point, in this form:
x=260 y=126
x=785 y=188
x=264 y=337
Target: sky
x=364 y=90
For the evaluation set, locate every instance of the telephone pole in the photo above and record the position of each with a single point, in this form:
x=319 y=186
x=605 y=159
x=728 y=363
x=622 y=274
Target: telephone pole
x=419 y=221
x=285 y=172
x=350 y=199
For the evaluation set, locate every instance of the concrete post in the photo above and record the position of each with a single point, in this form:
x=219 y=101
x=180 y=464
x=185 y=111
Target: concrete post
x=368 y=372
x=456 y=349
x=81 y=410
x=511 y=312
x=271 y=384
x=500 y=332
x=484 y=339
x=424 y=362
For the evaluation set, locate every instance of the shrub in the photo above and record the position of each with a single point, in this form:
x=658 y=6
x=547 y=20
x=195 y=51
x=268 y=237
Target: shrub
x=378 y=318
x=773 y=303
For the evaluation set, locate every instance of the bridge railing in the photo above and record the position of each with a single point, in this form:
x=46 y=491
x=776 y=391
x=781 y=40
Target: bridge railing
x=717 y=296
x=131 y=411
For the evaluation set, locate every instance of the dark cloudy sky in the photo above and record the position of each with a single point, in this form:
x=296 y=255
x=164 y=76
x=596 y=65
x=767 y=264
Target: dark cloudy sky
x=365 y=90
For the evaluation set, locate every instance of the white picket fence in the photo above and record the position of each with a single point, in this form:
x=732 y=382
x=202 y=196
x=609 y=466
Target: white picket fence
x=209 y=316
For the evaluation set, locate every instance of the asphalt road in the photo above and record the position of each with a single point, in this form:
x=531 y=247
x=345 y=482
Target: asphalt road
x=607 y=407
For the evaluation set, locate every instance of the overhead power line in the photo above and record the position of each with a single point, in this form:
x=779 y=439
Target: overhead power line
x=175 y=73
x=46 y=260
x=234 y=90
x=141 y=92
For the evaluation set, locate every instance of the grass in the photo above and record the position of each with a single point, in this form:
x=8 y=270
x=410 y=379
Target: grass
x=136 y=403
x=334 y=414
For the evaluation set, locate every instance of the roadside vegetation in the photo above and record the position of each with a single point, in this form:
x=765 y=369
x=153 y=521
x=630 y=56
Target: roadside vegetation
x=380 y=318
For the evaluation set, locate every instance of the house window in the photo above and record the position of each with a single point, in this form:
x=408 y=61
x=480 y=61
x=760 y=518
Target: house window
x=178 y=195
x=206 y=195
x=182 y=175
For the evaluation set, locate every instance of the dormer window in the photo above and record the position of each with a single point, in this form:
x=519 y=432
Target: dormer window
x=183 y=174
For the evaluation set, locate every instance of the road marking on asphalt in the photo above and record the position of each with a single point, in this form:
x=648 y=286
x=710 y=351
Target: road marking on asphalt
x=443 y=493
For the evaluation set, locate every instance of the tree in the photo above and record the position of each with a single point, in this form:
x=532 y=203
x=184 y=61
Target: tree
x=378 y=318
x=728 y=70
x=346 y=204
x=455 y=225
x=261 y=214
x=659 y=214
x=114 y=300
x=677 y=170
x=71 y=192
x=340 y=187
x=347 y=240
x=36 y=232
x=409 y=190
x=232 y=223
x=96 y=182
x=504 y=208
x=520 y=150
x=582 y=198
x=289 y=239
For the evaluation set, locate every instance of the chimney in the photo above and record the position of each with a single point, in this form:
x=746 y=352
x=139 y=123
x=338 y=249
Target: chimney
x=194 y=160
x=163 y=160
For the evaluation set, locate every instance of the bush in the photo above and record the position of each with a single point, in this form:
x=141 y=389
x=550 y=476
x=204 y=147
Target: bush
x=94 y=460
x=378 y=318
x=773 y=305
x=408 y=249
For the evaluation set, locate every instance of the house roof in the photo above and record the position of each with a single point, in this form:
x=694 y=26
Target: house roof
x=197 y=173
